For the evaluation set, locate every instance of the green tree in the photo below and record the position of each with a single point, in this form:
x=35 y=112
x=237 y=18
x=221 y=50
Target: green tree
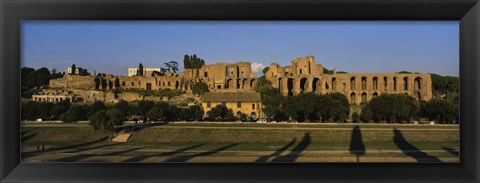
x=200 y=88
x=156 y=114
x=96 y=106
x=355 y=117
x=173 y=65
x=106 y=120
x=60 y=108
x=123 y=107
x=186 y=62
x=143 y=106
x=140 y=70
x=221 y=113
x=265 y=70
x=73 y=69
x=74 y=113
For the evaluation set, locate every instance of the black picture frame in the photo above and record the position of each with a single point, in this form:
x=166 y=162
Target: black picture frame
x=14 y=11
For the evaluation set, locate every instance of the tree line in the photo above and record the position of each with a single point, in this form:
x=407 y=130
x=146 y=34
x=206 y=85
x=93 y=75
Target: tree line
x=144 y=109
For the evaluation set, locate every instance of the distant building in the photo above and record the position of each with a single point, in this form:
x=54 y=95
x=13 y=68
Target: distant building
x=146 y=71
x=248 y=103
x=77 y=70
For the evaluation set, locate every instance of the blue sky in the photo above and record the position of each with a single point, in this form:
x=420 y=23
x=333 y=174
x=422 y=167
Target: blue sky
x=352 y=46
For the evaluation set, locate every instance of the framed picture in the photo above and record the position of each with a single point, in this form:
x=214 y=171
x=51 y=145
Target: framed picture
x=239 y=91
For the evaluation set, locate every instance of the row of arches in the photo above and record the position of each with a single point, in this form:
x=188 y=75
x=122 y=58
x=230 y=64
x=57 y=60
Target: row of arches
x=364 y=97
x=240 y=83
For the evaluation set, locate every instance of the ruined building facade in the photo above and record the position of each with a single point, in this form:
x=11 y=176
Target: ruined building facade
x=304 y=75
x=219 y=76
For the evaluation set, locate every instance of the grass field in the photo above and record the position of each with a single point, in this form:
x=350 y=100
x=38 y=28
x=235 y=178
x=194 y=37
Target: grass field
x=248 y=142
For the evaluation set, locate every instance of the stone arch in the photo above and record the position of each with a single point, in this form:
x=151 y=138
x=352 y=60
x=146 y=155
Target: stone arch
x=303 y=85
x=290 y=86
x=394 y=83
x=176 y=84
x=353 y=83
x=405 y=83
x=326 y=85
x=230 y=83
x=315 y=84
x=375 y=94
x=123 y=83
x=253 y=82
x=245 y=83
x=418 y=83
x=334 y=83
x=253 y=115
x=375 y=83
x=364 y=97
x=353 y=98
x=280 y=86
x=364 y=83
x=385 y=83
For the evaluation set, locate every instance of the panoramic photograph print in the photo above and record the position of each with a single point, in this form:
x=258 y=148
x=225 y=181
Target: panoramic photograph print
x=240 y=91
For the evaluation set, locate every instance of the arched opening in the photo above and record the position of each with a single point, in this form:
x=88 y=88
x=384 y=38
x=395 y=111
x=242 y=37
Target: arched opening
x=253 y=82
x=394 y=83
x=230 y=83
x=123 y=83
x=326 y=85
x=385 y=83
x=303 y=85
x=419 y=95
x=364 y=97
x=364 y=83
x=280 y=87
x=253 y=115
x=353 y=98
x=418 y=83
x=405 y=83
x=176 y=84
x=315 y=84
x=110 y=84
x=334 y=84
x=239 y=114
x=375 y=83
x=244 y=83
x=352 y=83
x=290 y=86
x=375 y=94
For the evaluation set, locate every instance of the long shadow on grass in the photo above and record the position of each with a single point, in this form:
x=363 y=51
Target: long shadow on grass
x=34 y=153
x=410 y=150
x=276 y=153
x=84 y=156
x=208 y=153
x=296 y=151
x=143 y=157
x=451 y=151
x=356 y=143
x=28 y=137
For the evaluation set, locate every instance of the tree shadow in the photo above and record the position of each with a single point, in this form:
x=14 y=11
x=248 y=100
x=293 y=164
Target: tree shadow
x=143 y=157
x=34 y=153
x=28 y=137
x=296 y=151
x=451 y=151
x=410 y=150
x=208 y=153
x=276 y=153
x=356 y=143
x=84 y=156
